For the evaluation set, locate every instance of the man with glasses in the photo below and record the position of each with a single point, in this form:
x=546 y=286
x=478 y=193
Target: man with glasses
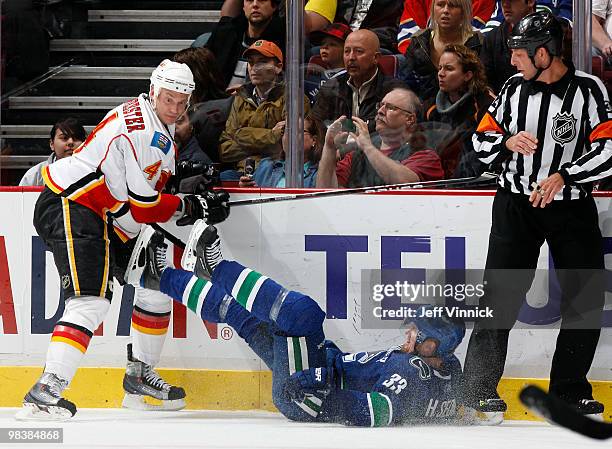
x=396 y=155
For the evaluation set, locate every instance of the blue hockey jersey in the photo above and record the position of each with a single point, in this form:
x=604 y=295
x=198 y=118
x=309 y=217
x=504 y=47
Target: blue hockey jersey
x=388 y=388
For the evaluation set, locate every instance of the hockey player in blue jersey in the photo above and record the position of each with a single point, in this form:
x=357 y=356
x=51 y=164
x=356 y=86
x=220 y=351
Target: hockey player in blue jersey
x=312 y=379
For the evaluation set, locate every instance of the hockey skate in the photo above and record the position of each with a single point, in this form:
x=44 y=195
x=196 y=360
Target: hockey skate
x=188 y=261
x=148 y=260
x=485 y=412
x=146 y=390
x=203 y=251
x=588 y=407
x=44 y=401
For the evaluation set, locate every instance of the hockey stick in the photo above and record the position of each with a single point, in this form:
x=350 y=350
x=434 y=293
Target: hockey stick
x=169 y=236
x=471 y=181
x=555 y=410
x=474 y=180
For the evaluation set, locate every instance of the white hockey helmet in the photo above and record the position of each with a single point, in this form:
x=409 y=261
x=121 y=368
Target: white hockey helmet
x=174 y=76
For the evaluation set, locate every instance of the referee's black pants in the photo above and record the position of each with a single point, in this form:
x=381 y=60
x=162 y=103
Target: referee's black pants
x=518 y=230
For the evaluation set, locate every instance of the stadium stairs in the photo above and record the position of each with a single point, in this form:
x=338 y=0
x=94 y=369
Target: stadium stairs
x=105 y=57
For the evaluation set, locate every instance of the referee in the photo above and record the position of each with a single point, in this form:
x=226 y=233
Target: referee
x=551 y=128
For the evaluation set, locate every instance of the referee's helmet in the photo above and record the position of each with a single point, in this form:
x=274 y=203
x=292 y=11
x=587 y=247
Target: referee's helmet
x=535 y=30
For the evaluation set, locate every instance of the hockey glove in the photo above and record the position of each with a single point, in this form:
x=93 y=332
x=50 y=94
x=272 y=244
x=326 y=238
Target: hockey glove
x=211 y=207
x=195 y=177
x=308 y=382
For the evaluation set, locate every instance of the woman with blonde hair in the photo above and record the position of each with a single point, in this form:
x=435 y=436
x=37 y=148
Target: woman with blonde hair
x=449 y=23
x=460 y=103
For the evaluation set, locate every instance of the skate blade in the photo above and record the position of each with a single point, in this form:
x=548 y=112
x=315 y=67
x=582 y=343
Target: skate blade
x=596 y=417
x=147 y=403
x=34 y=412
x=189 y=258
x=475 y=417
x=135 y=268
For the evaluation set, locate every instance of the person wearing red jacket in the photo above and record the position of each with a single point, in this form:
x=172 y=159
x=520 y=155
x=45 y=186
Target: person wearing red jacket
x=415 y=17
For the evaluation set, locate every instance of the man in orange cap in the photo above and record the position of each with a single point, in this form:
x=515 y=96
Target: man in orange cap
x=252 y=128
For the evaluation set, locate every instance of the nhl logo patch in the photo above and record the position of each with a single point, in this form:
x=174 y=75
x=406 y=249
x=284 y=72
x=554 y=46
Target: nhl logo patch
x=65 y=281
x=563 y=128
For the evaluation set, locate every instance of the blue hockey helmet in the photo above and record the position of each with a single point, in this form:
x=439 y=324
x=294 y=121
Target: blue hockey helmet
x=446 y=331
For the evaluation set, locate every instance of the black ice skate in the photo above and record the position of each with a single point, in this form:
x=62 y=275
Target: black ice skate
x=589 y=407
x=44 y=401
x=485 y=412
x=148 y=260
x=208 y=250
x=146 y=390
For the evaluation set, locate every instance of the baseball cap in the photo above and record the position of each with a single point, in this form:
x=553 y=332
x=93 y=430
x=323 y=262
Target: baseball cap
x=266 y=48
x=338 y=30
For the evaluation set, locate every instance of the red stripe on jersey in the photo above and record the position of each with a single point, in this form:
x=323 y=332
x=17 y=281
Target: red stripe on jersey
x=49 y=180
x=159 y=213
x=150 y=321
x=601 y=131
x=112 y=140
x=93 y=133
x=97 y=198
x=72 y=334
x=163 y=179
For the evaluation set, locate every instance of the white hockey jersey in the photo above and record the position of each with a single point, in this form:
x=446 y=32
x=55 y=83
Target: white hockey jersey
x=121 y=168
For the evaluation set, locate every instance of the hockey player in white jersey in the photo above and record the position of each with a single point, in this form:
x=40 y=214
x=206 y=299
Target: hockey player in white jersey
x=89 y=213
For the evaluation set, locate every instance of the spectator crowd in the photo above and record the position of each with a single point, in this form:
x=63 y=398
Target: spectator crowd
x=393 y=91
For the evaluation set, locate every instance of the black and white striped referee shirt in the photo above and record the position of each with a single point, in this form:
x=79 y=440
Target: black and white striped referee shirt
x=572 y=119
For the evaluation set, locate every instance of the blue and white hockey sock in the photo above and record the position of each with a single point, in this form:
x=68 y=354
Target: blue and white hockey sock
x=293 y=313
x=208 y=301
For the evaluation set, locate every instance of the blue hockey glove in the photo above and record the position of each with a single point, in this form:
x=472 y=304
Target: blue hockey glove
x=308 y=381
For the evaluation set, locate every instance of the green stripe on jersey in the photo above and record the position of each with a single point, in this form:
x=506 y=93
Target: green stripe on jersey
x=194 y=294
x=381 y=409
x=297 y=354
x=316 y=408
x=246 y=287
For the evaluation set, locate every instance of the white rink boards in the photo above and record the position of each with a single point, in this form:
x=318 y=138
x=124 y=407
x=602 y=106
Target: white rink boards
x=319 y=246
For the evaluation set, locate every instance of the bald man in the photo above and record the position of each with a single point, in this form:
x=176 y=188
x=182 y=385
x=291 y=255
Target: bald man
x=356 y=92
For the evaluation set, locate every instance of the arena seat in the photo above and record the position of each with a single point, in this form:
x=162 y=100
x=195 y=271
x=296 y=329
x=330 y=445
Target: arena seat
x=599 y=70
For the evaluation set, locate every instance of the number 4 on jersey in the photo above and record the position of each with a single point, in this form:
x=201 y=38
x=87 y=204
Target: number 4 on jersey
x=152 y=170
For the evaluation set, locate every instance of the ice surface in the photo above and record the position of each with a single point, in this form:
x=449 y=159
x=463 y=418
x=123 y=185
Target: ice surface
x=112 y=428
